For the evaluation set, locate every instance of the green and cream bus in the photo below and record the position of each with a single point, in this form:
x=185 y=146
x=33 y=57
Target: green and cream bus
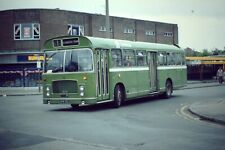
x=80 y=70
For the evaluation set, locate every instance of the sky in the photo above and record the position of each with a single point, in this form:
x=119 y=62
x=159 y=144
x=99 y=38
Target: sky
x=201 y=23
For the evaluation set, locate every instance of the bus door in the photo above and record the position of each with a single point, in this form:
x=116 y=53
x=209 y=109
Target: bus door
x=102 y=74
x=152 y=64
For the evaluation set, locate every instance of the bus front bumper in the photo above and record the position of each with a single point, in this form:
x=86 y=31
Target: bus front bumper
x=83 y=101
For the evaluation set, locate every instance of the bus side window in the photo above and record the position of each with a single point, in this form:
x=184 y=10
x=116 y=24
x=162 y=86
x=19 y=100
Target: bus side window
x=128 y=58
x=141 y=58
x=179 y=56
x=170 y=60
x=116 y=55
x=175 y=58
x=183 y=59
x=161 y=58
x=165 y=58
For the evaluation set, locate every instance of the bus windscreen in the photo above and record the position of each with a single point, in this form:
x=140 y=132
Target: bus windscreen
x=78 y=60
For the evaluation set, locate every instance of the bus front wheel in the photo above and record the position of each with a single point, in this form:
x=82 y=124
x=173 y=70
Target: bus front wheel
x=75 y=106
x=169 y=89
x=118 y=96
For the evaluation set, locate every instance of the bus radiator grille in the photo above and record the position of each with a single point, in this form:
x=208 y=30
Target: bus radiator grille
x=64 y=86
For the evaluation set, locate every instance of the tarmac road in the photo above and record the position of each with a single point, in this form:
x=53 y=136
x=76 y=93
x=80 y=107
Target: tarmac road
x=26 y=123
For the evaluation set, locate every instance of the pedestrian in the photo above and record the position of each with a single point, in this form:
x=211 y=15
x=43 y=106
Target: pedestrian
x=220 y=75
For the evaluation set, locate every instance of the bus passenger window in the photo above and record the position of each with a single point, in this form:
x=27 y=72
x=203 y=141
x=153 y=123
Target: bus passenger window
x=116 y=57
x=141 y=58
x=173 y=58
x=179 y=59
x=128 y=57
x=162 y=58
x=183 y=59
x=170 y=59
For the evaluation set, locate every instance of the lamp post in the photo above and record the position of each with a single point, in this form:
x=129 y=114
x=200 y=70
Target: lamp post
x=107 y=18
x=39 y=74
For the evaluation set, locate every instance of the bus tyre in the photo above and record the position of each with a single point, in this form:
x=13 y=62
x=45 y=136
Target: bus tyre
x=169 y=89
x=75 y=106
x=118 y=96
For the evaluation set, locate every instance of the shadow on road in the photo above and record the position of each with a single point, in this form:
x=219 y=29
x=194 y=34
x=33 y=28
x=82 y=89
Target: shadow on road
x=109 y=106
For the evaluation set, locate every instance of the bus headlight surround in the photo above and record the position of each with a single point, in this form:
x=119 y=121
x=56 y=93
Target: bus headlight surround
x=47 y=91
x=81 y=90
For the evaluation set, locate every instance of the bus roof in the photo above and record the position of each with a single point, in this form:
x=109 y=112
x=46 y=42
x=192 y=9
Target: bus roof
x=63 y=42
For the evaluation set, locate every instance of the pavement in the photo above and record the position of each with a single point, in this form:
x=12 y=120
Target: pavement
x=20 y=91
x=212 y=110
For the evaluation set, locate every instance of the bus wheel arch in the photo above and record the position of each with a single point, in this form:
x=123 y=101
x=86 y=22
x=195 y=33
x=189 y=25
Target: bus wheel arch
x=119 y=95
x=168 y=88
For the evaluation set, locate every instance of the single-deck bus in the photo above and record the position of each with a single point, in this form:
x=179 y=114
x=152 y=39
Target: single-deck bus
x=81 y=70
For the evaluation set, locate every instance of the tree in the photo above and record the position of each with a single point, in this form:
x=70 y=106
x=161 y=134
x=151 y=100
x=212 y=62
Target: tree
x=218 y=52
x=205 y=53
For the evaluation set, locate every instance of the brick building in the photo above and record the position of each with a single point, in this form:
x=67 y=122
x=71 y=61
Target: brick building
x=24 y=31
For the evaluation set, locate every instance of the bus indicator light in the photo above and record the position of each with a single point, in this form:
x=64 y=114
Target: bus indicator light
x=84 y=77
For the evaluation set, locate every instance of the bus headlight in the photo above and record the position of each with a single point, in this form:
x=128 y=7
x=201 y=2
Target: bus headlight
x=47 y=94
x=81 y=90
x=81 y=93
x=47 y=89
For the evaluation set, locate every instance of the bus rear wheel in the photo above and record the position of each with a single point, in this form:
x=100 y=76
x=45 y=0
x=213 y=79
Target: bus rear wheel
x=169 y=89
x=118 y=96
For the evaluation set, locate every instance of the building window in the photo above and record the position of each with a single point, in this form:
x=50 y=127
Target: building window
x=17 y=31
x=129 y=31
x=103 y=29
x=36 y=31
x=149 y=33
x=27 y=31
x=75 y=29
x=168 y=34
